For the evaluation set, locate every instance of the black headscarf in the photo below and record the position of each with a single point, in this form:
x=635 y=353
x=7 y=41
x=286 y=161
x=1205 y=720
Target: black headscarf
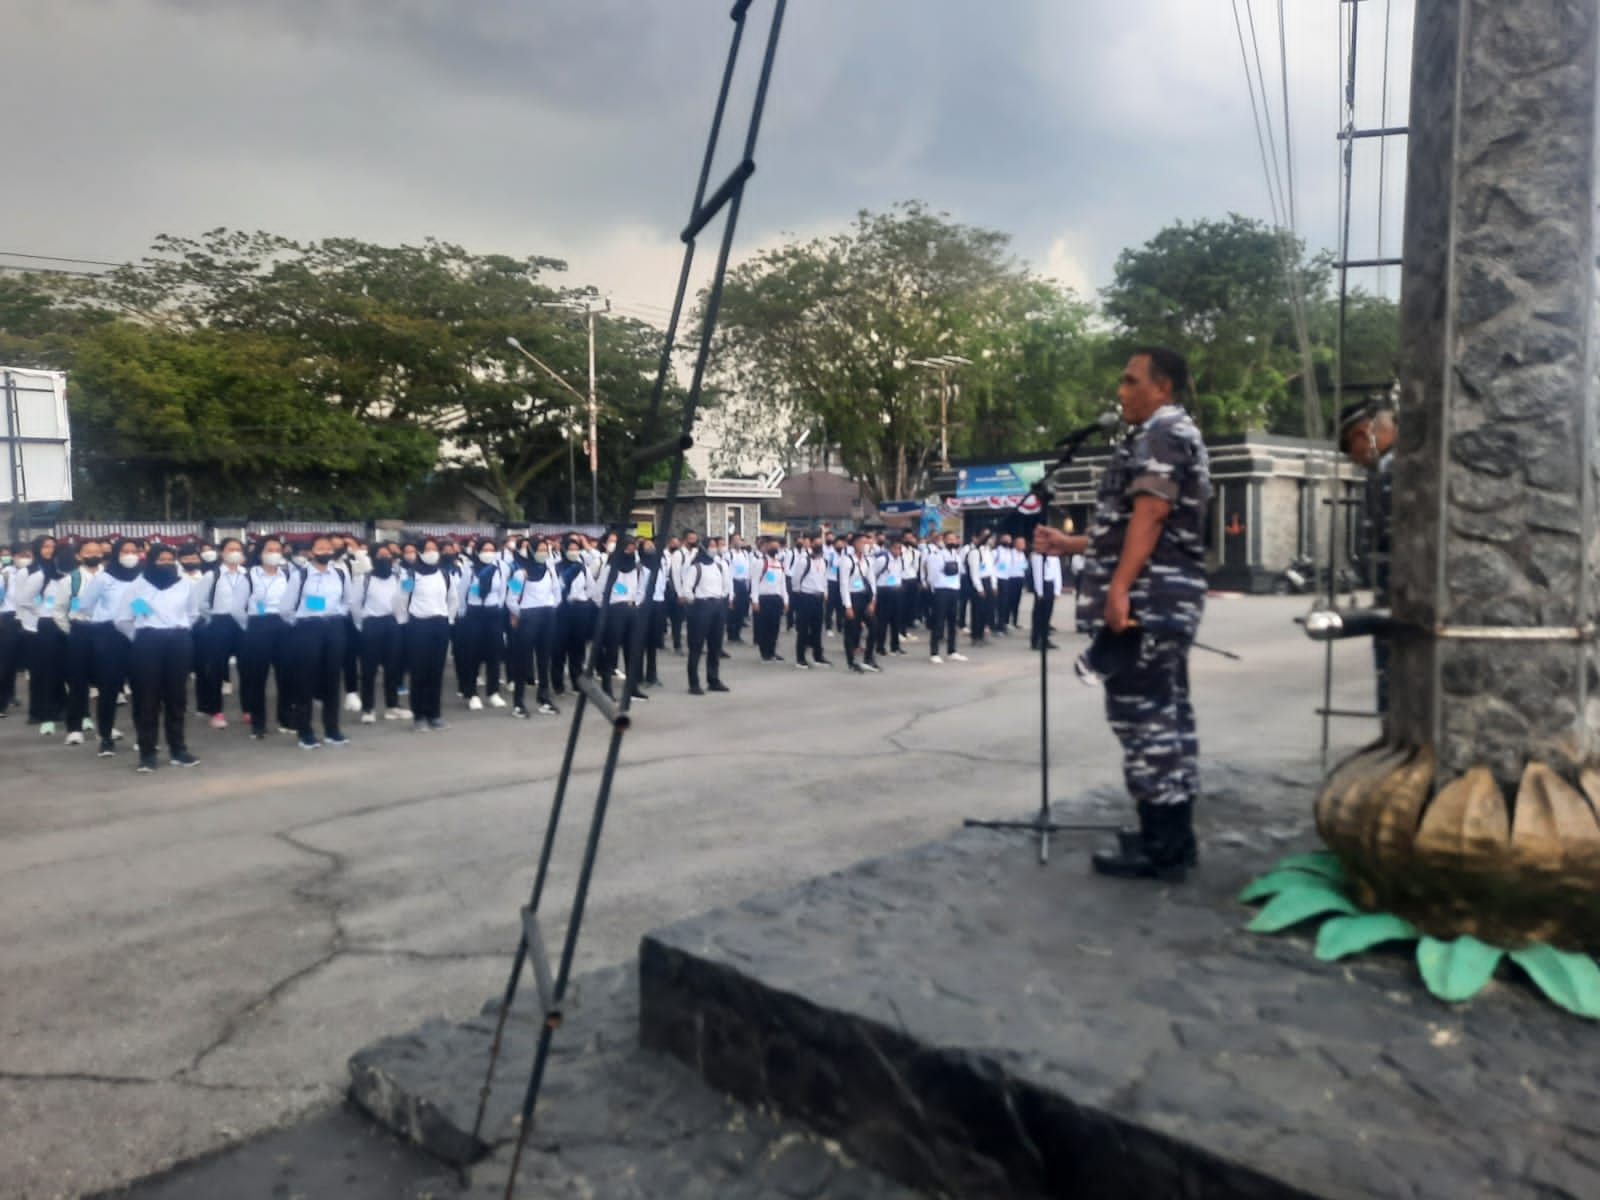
x=115 y=568
x=46 y=566
x=161 y=575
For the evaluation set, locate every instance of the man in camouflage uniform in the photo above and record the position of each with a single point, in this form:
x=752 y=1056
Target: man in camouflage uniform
x=1143 y=586
x=1366 y=433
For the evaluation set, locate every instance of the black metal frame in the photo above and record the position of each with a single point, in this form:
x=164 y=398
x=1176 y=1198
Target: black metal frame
x=659 y=446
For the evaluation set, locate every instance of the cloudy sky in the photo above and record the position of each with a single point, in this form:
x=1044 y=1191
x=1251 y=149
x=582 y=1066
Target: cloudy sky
x=573 y=127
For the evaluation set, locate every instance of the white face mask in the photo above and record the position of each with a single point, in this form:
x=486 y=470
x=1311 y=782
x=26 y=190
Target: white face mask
x=233 y=557
x=488 y=558
x=430 y=558
x=208 y=556
x=272 y=559
x=24 y=563
x=128 y=561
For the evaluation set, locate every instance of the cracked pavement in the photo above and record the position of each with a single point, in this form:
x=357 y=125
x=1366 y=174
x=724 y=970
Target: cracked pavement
x=192 y=956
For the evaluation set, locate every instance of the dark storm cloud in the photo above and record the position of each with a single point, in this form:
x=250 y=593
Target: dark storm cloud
x=573 y=127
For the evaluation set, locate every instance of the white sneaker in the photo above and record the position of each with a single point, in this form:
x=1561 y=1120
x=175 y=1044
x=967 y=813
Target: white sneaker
x=47 y=729
x=397 y=714
x=474 y=705
x=74 y=739
x=116 y=735
x=88 y=725
x=371 y=718
x=910 y=637
x=495 y=701
x=227 y=688
x=352 y=702
x=219 y=722
x=936 y=660
x=958 y=657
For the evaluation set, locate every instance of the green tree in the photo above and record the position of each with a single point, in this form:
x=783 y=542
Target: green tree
x=823 y=338
x=1217 y=292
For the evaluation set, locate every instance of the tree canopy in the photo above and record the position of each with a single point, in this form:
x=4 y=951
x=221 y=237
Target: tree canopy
x=338 y=378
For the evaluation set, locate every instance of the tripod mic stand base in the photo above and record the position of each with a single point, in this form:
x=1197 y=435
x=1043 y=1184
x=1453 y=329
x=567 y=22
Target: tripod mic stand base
x=1043 y=827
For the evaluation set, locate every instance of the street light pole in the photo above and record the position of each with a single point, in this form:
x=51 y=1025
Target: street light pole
x=594 y=429
x=943 y=364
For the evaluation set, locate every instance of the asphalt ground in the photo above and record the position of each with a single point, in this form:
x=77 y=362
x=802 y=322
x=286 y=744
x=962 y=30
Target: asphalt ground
x=191 y=956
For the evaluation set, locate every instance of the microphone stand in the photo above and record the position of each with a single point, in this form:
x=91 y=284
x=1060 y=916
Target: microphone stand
x=1043 y=825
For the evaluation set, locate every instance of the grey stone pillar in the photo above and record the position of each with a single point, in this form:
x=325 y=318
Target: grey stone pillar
x=1495 y=490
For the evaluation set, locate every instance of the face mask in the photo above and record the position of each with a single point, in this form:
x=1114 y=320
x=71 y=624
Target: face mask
x=127 y=561
x=272 y=559
x=574 y=555
x=382 y=568
x=208 y=556
x=611 y=547
x=5 y=560
x=541 y=556
x=24 y=563
x=488 y=558
x=92 y=561
x=430 y=558
x=191 y=568
x=411 y=560
x=323 y=559
x=161 y=574
x=233 y=557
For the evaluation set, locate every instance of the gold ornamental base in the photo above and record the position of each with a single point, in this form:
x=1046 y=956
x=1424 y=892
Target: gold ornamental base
x=1466 y=858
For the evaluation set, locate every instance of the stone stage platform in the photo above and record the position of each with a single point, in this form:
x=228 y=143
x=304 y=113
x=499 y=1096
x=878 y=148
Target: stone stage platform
x=971 y=1024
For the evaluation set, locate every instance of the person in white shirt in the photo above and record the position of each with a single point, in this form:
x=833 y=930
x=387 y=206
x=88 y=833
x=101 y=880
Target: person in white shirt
x=857 y=594
x=910 y=557
x=533 y=595
x=266 y=641
x=481 y=640
x=651 y=566
x=770 y=587
x=376 y=611
x=741 y=563
x=704 y=592
x=100 y=599
x=315 y=605
x=622 y=618
x=979 y=567
x=157 y=613
x=44 y=640
x=942 y=575
x=1045 y=570
x=225 y=603
x=808 y=592
x=80 y=640
x=430 y=607
x=11 y=572
x=883 y=634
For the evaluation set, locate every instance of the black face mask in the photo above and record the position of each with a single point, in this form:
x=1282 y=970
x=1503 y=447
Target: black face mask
x=163 y=575
x=447 y=560
x=625 y=562
x=322 y=560
x=382 y=568
x=92 y=561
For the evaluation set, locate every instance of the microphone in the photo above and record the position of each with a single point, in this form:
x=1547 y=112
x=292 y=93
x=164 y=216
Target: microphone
x=1104 y=423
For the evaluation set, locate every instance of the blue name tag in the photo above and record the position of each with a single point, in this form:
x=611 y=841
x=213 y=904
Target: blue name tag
x=73 y=606
x=476 y=590
x=261 y=608
x=740 y=570
x=141 y=608
x=316 y=604
x=891 y=581
x=516 y=586
x=771 y=577
x=858 y=585
x=619 y=589
x=409 y=585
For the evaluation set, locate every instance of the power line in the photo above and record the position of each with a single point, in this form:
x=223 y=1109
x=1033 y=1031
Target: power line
x=87 y=262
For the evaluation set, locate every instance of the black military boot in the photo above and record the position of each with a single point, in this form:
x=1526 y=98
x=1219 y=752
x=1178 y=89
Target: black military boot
x=1164 y=848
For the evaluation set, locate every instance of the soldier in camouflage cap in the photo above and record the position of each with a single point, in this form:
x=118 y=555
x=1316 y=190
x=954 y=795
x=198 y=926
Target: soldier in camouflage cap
x=1143 y=585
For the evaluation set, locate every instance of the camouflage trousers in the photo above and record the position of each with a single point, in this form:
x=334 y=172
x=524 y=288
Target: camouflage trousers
x=1148 y=708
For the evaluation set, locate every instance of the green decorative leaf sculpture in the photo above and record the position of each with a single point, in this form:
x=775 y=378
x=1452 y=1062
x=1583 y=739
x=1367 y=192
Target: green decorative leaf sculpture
x=1275 y=881
x=1570 y=980
x=1456 y=971
x=1323 y=863
x=1344 y=936
x=1312 y=898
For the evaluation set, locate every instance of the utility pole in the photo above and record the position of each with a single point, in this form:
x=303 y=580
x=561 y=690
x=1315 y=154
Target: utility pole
x=943 y=364
x=590 y=307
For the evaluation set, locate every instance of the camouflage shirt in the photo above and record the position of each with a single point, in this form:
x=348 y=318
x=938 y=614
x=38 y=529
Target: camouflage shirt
x=1164 y=457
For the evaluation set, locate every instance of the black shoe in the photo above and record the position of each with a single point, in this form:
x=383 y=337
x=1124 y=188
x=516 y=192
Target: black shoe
x=547 y=709
x=696 y=690
x=652 y=682
x=778 y=658
x=725 y=654
x=519 y=712
x=107 y=748
x=147 y=763
x=717 y=686
x=1163 y=849
x=309 y=741
x=638 y=694
x=1131 y=841
x=871 y=667
x=822 y=662
x=182 y=758
x=856 y=668
x=335 y=739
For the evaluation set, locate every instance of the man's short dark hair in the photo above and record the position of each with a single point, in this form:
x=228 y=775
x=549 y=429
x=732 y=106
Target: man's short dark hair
x=1167 y=366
